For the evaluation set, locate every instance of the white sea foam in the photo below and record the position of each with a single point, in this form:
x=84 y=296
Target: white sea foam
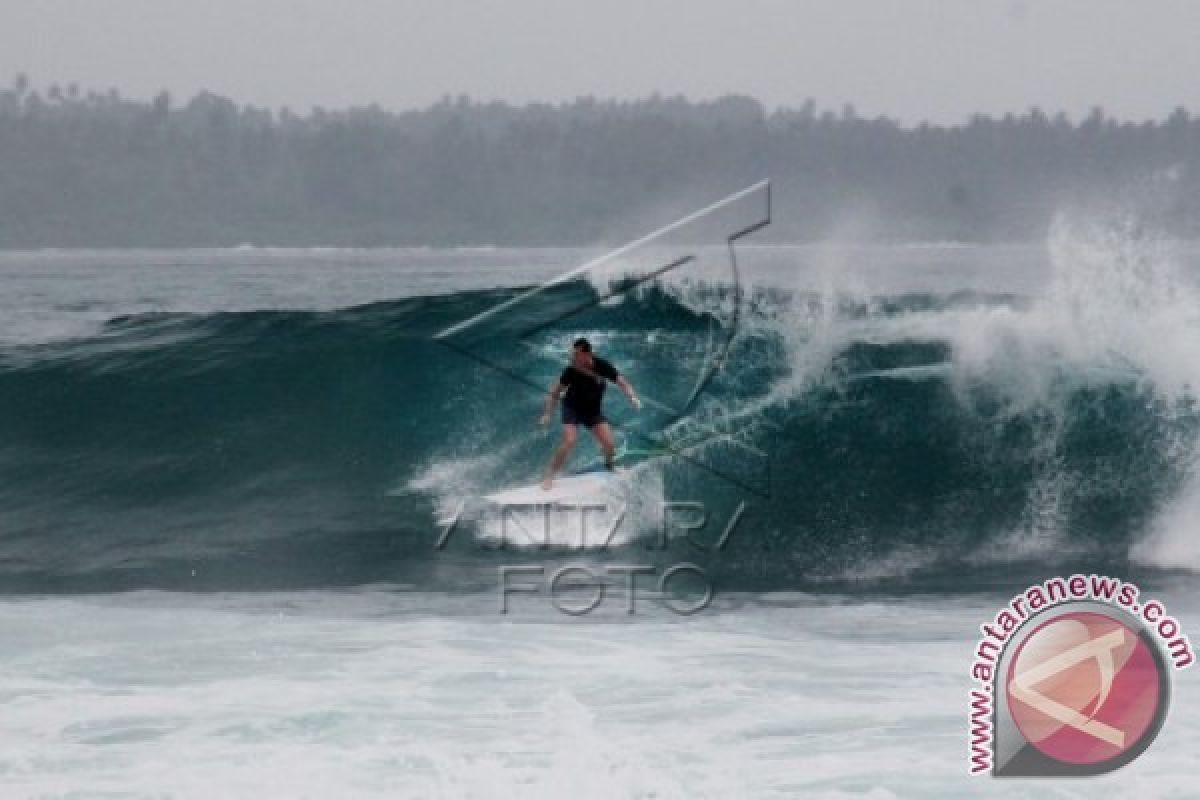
x=1118 y=305
x=373 y=694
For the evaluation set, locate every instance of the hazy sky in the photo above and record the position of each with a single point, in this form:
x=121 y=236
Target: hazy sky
x=911 y=59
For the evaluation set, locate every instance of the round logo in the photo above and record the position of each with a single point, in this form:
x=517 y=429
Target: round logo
x=1085 y=688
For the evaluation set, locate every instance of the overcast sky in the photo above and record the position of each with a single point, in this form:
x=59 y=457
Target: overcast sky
x=911 y=59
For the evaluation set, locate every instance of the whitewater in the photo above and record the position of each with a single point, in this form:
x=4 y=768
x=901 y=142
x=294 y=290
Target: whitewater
x=225 y=476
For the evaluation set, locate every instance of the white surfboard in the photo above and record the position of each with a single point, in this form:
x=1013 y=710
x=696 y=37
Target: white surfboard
x=586 y=489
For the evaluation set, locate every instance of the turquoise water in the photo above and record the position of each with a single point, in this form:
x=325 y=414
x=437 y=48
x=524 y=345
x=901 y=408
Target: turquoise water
x=224 y=477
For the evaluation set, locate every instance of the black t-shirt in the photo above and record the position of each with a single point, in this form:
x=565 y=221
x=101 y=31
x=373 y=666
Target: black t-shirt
x=584 y=391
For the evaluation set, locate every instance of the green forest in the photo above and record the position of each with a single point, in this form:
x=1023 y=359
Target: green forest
x=94 y=169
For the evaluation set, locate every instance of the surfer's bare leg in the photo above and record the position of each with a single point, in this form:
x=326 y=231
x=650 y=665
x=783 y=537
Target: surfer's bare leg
x=604 y=436
x=560 y=455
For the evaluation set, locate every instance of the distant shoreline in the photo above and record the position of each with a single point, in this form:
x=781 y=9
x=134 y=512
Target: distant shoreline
x=92 y=170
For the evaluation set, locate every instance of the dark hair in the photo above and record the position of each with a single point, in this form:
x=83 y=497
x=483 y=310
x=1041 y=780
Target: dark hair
x=583 y=344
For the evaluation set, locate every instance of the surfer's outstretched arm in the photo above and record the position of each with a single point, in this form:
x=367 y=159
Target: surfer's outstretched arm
x=627 y=388
x=551 y=401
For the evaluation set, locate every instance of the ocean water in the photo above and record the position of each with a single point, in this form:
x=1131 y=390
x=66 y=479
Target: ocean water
x=242 y=553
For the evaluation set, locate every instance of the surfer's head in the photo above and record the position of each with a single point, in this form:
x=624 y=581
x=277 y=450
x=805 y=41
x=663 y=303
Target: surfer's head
x=581 y=353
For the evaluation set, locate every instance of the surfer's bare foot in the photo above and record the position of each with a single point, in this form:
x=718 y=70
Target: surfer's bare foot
x=547 y=482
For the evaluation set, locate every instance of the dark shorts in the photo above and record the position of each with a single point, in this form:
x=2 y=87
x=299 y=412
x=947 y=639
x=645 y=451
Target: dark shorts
x=572 y=417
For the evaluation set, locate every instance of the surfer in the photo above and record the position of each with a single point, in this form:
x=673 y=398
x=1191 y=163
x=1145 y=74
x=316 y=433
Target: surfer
x=584 y=381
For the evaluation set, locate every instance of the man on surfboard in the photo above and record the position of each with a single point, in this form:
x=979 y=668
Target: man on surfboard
x=584 y=381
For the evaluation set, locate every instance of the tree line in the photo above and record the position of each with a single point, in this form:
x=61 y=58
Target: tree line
x=96 y=169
